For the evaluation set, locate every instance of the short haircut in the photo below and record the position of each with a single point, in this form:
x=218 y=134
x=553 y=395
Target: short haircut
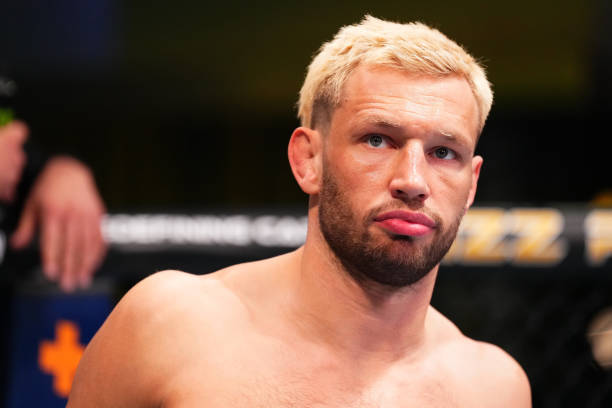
x=412 y=47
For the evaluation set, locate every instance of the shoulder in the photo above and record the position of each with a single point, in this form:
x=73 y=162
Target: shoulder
x=168 y=294
x=146 y=338
x=155 y=302
x=163 y=291
x=505 y=382
x=485 y=372
x=166 y=284
x=171 y=302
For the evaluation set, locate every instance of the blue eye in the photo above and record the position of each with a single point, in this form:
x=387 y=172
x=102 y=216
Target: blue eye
x=444 y=153
x=376 y=140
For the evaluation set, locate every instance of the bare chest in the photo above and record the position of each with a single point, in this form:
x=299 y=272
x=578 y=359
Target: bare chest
x=258 y=379
x=263 y=392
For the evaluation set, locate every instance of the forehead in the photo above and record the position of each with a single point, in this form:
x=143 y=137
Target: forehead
x=443 y=104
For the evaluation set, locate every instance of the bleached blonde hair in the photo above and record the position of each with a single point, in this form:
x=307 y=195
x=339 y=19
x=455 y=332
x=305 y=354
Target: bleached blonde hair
x=412 y=47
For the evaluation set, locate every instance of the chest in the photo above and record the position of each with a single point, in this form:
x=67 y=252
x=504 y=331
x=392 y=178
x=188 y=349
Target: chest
x=266 y=393
x=262 y=378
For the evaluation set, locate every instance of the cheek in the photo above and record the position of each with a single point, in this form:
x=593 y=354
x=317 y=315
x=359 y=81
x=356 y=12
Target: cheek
x=362 y=172
x=454 y=188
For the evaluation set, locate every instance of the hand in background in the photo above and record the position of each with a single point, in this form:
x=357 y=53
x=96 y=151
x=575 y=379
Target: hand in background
x=12 y=158
x=65 y=206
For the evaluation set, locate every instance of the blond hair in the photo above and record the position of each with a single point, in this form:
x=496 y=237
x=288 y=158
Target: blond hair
x=412 y=47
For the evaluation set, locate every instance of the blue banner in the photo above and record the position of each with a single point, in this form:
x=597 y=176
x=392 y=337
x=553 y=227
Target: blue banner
x=49 y=333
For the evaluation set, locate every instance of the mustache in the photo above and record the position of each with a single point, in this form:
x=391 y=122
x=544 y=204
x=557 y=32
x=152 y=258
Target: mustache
x=402 y=206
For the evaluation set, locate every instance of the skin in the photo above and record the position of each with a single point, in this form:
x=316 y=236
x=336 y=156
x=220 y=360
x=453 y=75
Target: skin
x=66 y=208
x=12 y=158
x=63 y=205
x=299 y=330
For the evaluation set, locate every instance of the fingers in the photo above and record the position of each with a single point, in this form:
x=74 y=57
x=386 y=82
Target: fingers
x=65 y=204
x=71 y=256
x=89 y=257
x=93 y=252
x=51 y=244
x=72 y=248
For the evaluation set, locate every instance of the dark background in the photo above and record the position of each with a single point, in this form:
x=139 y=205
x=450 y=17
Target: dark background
x=192 y=104
x=188 y=106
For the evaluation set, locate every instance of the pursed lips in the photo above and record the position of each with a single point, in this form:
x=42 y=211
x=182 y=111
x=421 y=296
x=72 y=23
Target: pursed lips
x=407 y=223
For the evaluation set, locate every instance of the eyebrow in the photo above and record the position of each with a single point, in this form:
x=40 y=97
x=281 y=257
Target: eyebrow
x=391 y=124
x=383 y=122
x=454 y=137
x=448 y=135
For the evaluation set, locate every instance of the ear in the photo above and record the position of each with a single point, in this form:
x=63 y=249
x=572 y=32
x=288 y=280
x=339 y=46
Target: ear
x=476 y=165
x=305 y=150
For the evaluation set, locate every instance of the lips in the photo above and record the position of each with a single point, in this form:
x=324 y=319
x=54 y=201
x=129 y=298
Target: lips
x=405 y=223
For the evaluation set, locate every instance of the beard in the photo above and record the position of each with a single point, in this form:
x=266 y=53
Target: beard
x=394 y=261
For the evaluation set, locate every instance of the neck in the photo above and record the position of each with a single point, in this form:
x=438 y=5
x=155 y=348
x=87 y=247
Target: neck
x=362 y=319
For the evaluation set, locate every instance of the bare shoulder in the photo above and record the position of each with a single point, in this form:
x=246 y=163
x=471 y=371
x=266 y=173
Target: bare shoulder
x=164 y=292
x=487 y=373
x=170 y=299
x=505 y=381
x=147 y=336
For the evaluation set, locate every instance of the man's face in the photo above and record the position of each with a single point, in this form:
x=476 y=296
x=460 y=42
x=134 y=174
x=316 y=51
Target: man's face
x=399 y=172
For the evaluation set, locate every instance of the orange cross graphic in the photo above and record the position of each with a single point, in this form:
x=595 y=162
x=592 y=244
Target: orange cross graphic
x=60 y=357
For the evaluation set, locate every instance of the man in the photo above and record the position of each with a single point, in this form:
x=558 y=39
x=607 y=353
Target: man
x=390 y=117
x=59 y=198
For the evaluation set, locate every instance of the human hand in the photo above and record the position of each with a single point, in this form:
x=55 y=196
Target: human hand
x=12 y=158
x=66 y=207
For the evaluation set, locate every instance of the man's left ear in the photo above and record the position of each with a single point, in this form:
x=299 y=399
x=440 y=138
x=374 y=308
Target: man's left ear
x=476 y=165
x=305 y=149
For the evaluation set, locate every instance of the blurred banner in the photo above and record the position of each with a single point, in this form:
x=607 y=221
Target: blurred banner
x=541 y=237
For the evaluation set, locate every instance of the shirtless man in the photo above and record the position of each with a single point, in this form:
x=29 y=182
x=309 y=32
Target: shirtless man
x=390 y=117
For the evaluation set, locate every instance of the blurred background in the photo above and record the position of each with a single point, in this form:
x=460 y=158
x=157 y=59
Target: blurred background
x=187 y=108
x=178 y=105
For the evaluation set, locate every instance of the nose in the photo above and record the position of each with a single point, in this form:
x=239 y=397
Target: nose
x=409 y=178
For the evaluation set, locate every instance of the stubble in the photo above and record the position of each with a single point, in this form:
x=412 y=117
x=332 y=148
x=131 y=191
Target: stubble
x=393 y=261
